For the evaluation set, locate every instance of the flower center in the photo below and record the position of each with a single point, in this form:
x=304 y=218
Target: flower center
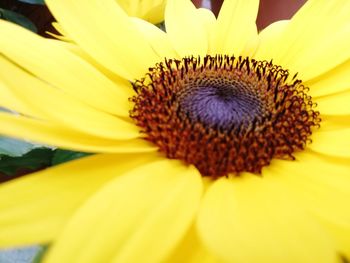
x=220 y=103
x=224 y=115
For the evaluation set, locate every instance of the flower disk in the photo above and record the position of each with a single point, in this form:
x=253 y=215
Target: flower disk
x=224 y=115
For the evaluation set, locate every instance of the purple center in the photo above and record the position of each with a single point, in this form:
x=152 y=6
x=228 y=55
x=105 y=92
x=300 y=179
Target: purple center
x=221 y=106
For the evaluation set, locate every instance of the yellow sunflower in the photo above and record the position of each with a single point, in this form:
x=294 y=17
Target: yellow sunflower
x=210 y=146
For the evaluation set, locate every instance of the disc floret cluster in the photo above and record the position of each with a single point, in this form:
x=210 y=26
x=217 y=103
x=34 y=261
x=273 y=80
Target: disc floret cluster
x=224 y=114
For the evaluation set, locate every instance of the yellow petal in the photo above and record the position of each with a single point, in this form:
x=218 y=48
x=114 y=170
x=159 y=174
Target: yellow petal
x=315 y=61
x=120 y=82
x=9 y=101
x=191 y=250
x=61 y=68
x=208 y=21
x=332 y=142
x=334 y=104
x=185 y=30
x=334 y=81
x=235 y=26
x=60 y=30
x=139 y=217
x=322 y=186
x=341 y=235
x=105 y=32
x=62 y=34
x=267 y=38
x=56 y=135
x=334 y=122
x=319 y=183
x=157 y=38
x=35 y=208
x=248 y=220
x=149 y=10
x=62 y=108
x=301 y=48
x=155 y=13
x=58 y=37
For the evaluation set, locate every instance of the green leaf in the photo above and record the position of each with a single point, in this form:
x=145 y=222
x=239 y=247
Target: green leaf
x=40 y=255
x=161 y=26
x=62 y=156
x=13 y=147
x=33 y=2
x=33 y=160
x=17 y=19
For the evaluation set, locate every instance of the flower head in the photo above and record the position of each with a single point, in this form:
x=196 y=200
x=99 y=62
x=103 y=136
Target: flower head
x=214 y=143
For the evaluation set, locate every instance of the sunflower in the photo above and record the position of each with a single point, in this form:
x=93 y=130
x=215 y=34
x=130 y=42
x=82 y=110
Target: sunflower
x=214 y=143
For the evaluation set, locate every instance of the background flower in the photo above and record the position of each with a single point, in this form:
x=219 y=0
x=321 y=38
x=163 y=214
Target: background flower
x=150 y=10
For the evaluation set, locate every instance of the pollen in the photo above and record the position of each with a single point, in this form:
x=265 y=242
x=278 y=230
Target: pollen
x=224 y=114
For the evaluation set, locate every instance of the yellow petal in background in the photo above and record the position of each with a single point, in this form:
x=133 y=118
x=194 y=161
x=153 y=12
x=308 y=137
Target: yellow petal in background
x=249 y=220
x=267 y=39
x=35 y=208
x=235 y=27
x=149 y=10
x=188 y=34
x=139 y=217
x=155 y=14
x=157 y=38
x=106 y=33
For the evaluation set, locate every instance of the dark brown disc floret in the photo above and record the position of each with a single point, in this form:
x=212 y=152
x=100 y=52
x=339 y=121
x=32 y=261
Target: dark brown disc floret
x=225 y=115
